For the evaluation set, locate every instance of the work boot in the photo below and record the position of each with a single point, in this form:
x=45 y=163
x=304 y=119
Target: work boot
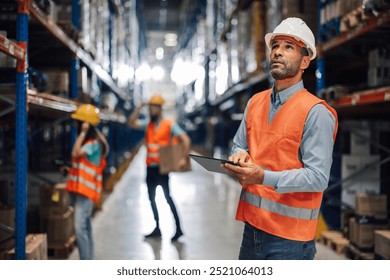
x=155 y=233
x=177 y=235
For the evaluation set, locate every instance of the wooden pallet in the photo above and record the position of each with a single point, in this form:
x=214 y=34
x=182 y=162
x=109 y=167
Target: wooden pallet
x=61 y=251
x=335 y=241
x=354 y=253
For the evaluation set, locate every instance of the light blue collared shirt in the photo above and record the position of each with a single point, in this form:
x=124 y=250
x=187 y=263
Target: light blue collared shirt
x=315 y=151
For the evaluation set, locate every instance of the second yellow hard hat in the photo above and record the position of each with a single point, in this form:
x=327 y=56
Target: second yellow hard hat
x=156 y=99
x=87 y=113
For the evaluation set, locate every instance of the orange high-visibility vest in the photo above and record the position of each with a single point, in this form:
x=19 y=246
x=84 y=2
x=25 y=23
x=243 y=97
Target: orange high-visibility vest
x=158 y=137
x=275 y=146
x=85 y=178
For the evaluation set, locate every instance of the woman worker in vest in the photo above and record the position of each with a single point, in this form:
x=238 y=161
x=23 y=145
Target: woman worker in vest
x=159 y=131
x=85 y=176
x=284 y=147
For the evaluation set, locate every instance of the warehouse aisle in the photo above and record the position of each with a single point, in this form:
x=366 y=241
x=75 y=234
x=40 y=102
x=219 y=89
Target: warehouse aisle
x=206 y=204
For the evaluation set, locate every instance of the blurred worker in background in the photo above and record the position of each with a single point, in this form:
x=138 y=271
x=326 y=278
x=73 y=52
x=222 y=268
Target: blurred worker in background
x=284 y=149
x=158 y=132
x=85 y=175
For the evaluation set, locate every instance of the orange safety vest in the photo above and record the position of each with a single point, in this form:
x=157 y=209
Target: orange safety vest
x=275 y=147
x=85 y=178
x=156 y=138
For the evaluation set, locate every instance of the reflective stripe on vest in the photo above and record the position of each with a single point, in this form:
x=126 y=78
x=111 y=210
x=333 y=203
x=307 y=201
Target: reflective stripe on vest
x=90 y=185
x=85 y=178
x=153 y=155
x=153 y=146
x=87 y=169
x=275 y=146
x=155 y=138
x=278 y=208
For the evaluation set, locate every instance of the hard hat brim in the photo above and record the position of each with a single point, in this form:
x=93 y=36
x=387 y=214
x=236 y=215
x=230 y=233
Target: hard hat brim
x=80 y=118
x=269 y=36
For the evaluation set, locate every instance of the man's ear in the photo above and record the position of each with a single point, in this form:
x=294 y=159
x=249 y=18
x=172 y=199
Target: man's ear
x=305 y=62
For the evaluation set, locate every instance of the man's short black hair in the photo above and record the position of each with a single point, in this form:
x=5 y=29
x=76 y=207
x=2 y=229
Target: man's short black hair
x=304 y=51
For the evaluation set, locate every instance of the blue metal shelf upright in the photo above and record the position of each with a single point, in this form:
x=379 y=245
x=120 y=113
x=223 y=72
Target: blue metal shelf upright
x=21 y=134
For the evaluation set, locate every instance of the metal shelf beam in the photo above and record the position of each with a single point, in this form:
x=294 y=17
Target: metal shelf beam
x=11 y=48
x=364 y=97
x=62 y=37
x=359 y=30
x=240 y=86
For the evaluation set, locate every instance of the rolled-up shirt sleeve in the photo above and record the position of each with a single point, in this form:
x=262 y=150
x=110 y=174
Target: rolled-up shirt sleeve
x=240 y=142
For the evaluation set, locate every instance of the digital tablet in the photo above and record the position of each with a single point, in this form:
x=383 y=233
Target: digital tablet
x=211 y=164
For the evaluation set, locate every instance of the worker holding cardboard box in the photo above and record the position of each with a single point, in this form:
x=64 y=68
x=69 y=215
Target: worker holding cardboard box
x=159 y=134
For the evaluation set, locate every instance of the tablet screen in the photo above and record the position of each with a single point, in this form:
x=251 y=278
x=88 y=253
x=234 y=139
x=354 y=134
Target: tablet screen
x=211 y=164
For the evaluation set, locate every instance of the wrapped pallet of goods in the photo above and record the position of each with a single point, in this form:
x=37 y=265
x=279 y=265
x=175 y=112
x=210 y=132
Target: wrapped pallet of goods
x=85 y=35
x=251 y=48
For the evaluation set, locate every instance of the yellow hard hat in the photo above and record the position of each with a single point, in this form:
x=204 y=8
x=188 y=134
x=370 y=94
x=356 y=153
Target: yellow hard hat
x=87 y=113
x=156 y=100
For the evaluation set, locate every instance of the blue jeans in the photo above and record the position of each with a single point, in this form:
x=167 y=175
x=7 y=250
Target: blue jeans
x=83 y=207
x=259 y=245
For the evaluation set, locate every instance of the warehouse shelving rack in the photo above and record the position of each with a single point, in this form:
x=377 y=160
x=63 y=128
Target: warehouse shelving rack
x=19 y=51
x=230 y=101
x=30 y=100
x=362 y=102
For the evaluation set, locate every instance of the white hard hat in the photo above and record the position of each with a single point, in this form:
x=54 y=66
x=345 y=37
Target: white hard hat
x=296 y=28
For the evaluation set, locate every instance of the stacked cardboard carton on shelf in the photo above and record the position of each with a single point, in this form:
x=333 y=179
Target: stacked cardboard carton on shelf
x=251 y=49
x=379 y=67
x=364 y=205
x=306 y=10
x=331 y=15
x=36 y=243
x=7 y=221
x=36 y=248
x=371 y=215
x=360 y=168
x=382 y=244
x=57 y=216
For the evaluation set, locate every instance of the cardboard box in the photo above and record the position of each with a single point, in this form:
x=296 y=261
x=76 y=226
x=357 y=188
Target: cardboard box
x=382 y=243
x=372 y=205
x=54 y=198
x=36 y=248
x=348 y=194
x=7 y=218
x=169 y=159
x=58 y=81
x=58 y=227
x=362 y=235
x=365 y=179
x=364 y=165
x=359 y=143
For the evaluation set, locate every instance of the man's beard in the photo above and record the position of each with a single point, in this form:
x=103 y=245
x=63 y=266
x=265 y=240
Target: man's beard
x=153 y=118
x=290 y=70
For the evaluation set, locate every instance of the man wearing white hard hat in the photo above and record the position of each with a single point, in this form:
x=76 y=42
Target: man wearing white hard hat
x=284 y=149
